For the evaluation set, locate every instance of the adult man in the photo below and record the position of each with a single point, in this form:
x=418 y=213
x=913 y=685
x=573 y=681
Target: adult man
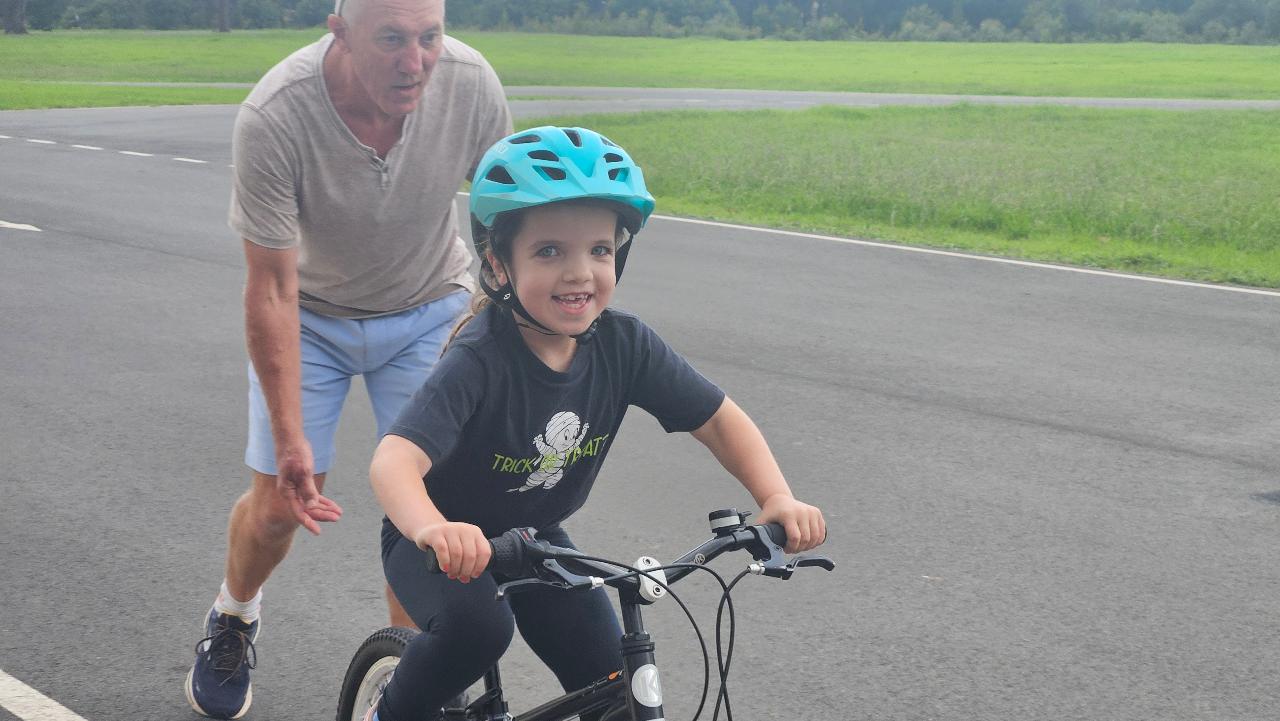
x=348 y=155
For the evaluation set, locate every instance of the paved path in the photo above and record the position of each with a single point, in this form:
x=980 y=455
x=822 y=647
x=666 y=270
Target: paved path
x=608 y=100
x=1052 y=495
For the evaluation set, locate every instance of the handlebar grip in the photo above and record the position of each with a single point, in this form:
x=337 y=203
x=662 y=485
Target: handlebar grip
x=777 y=533
x=506 y=557
x=433 y=563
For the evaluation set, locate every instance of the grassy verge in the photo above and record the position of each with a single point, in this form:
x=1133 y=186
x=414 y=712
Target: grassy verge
x=1102 y=70
x=1179 y=194
x=1189 y=195
x=23 y=95
x=1117 y=70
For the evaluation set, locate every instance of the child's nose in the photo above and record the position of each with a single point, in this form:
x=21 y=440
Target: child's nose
x=579 y=268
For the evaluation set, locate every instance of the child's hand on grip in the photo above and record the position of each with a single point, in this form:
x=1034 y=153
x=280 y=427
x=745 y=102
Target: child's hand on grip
x=805 y=526
x=461 y=548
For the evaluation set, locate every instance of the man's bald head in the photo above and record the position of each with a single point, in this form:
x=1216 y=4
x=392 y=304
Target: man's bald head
x=348 y=10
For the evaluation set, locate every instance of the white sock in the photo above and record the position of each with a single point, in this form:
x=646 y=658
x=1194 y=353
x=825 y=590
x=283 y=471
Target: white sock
x=247 y=610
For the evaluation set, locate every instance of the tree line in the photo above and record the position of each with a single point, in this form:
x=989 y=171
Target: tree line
x=1214 y=21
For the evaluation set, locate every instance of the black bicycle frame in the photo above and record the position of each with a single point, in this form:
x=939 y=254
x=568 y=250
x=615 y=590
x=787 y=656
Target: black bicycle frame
x=639 y=680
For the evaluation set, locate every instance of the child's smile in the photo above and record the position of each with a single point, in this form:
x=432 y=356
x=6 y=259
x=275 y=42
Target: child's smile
x=576 y=303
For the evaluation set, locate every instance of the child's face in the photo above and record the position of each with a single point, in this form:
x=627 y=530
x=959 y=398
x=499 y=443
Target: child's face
x=562 y=260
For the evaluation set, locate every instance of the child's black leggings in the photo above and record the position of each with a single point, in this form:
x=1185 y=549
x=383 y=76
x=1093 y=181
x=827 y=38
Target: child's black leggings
x=465 y=630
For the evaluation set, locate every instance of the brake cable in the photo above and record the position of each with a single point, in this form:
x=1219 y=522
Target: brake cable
x=706 y=657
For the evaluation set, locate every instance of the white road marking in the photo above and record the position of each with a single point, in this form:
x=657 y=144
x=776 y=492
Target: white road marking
x=29 y=704
x=969 y=256
x=6 y=137
x=87 y=147
x=987 y=258
x=132 y=152
x=190 y=160
x=18 y=226
x=42 y=142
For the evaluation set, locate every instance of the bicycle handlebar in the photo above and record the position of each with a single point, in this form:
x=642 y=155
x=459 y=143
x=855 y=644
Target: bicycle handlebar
x=518 y=554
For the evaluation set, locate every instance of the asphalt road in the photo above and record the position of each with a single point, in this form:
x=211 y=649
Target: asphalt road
x=1051 y=495
x=546 y=99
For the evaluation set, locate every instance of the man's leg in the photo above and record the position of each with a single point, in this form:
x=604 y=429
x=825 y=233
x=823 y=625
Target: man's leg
x=261 y=528
x=259 y=535
x=399 y=616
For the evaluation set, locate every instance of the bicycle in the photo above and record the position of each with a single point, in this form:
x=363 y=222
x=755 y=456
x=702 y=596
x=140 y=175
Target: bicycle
x=635 y=692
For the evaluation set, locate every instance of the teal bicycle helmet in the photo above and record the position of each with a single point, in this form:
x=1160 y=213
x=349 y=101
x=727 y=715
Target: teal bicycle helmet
x=545 y=165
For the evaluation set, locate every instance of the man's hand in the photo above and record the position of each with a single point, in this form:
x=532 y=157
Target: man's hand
x=297 y=484
x=805 y=526
x=461 y=548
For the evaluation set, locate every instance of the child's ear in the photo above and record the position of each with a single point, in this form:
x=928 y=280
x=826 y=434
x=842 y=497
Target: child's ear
x=499 y=270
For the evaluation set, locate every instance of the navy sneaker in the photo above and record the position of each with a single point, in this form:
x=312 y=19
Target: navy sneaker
x=218 y=684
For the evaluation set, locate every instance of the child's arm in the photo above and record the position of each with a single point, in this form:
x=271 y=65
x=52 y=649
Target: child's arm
x=396 y=474
x=739 y=446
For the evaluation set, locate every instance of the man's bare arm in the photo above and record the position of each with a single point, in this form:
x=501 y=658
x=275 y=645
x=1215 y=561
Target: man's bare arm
x=272 y=332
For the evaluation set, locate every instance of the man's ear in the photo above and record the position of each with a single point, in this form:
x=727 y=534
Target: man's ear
x=338 y=27
x=499 y=270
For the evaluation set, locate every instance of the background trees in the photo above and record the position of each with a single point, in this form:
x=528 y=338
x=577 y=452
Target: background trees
x=13 y=16
x=1219 y=21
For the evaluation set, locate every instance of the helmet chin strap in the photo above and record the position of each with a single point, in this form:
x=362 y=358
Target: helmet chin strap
x=506 y=295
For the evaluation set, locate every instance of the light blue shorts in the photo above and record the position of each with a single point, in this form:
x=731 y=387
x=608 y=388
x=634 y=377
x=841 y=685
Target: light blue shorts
x=393 y=352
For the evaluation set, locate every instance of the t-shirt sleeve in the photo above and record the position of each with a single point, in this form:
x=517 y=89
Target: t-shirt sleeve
x=668 y=387
x=436 y=415
x=264 y=200
x=495 y=116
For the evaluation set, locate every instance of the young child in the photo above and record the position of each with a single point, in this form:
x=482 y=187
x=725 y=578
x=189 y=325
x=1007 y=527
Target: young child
x=513 y=424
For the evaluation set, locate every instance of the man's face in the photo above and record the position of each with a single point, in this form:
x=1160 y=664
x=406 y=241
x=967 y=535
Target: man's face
x=393 y=45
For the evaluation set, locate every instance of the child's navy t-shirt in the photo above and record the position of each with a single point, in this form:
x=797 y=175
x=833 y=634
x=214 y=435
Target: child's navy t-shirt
x=513 y=443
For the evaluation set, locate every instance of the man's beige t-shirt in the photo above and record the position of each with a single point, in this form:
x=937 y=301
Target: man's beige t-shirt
x=375 y=236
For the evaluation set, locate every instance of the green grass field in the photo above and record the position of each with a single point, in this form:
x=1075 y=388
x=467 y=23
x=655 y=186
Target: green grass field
x=1121 y=70
x=1192 y=195
x=1186 y=194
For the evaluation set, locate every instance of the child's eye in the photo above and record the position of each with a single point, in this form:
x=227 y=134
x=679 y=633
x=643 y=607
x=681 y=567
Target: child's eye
x=547 y=251
x=602 y=250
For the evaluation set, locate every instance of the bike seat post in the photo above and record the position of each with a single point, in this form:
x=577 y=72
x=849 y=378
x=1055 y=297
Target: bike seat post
x=495 y=706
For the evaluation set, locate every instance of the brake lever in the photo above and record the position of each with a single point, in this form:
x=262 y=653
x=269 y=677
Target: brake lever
x=819 y=561
x=569 y=580
x=511 y=586
x=560 y=578
x=775 y=569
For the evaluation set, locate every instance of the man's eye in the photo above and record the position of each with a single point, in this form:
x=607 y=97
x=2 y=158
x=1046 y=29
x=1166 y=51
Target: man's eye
x=429 y=40
x=390 y=41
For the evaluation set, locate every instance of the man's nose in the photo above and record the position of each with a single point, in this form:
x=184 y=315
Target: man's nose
x=410 y=61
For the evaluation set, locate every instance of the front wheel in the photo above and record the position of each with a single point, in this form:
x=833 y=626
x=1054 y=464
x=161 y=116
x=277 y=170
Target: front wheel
x=370 y=670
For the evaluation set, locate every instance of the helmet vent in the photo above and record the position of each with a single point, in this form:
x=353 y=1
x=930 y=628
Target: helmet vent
x=613 y=157
x=551 y=173
x=619 y=174
x=499 y=174
x=524 y=139
x=608 y=142
x=543 y=155
x=573 y=137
